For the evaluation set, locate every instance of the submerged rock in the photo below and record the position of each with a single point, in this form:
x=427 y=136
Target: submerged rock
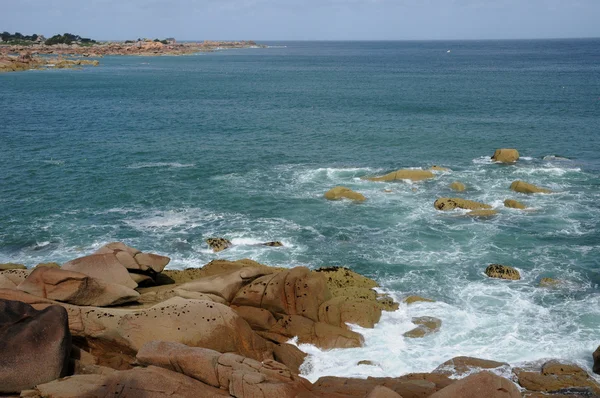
x=549 y=282
x=416 y=299
x=426 y=325
x=405 y=174
x=34 y=345
x=457 y=186
x=524 y=187
x=506 y=155
x=482 y=213
x=439 y=168
x=340 y=192
x=218 y=244
x=502 y=272
x=272 y=244
x=513 y=204
x=454 y=203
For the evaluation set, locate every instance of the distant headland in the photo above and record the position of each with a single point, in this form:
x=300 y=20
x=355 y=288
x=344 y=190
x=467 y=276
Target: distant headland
x=20 y=52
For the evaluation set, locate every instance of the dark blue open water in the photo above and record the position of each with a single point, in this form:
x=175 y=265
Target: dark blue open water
x=164 y=152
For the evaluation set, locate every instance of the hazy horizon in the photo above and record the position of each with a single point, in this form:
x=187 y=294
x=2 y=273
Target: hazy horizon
x=292 y=20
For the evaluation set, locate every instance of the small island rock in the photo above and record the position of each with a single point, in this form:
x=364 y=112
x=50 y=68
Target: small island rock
x=405 y=174
x=426 y=325
x=218 y=244
x=524 y=187
x=453 y=203
x=505 y=155
x=502 y=272
x=340 y=192
x=513 y=204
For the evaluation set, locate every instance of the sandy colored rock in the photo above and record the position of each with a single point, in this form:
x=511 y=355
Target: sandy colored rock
x=416 y=299
x=226 y=284
x=239 y=375
x=426 y=326
x=257 y=318
x=502 y=272
x=482 y=213
x=7 y=266
x=439 y=168
x=524 y=187
x=218 y=244
x=513 y=204
x=75 y=288
x=479 y=385
x=323 y=335
x=150 y=382
x=556 y=376
x=457 y=186
x=460 y=366
x=296 y=291
x=48 y=265
x=340 y=277
x=339 y=311
x=102 y=266
x=152 y=261
x=117 y=246
x=549 y=282
x=506 y=155
x=405 y=174
x=34 y=345
x=6 y=283
x=214 y=267
x=339 y=192
x=383 y=392
x=289 y=355
x=16 y=276
x=414 y=385
x=454 y=203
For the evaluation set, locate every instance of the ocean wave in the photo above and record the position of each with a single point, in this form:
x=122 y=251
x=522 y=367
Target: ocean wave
x=160 y=164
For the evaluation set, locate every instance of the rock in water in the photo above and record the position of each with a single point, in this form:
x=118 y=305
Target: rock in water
x=272 y=244
x=457 y=186
x=218 y=244
x=482 y=213
x=513 y=204
x=523 y=187
x=596 y=357
x=480 y=385
x=339 y=192
x=405 y=174
x=506 y=155
x=453 y=203
x=426 y=325
x=502 y=272
x=439 y=168
x=549 y=282
x=34 y=345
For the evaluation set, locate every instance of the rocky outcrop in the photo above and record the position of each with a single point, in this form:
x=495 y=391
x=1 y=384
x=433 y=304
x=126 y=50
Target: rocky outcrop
x=462 y=366
x=339 y=192
x=505 y=155
x=502 y=272
x=513 y=204
x=457 y=186
x=405 y=174
x=479 y=385
x=106 y=267
x=458 y=203
x=555 y=376
x=242 y=377
x=8 y=266
x=225 y=285
x=218 y=244
x=75 y=288
x=34 y=345
x=425 y=325
x=596 y=357
x=524 y=187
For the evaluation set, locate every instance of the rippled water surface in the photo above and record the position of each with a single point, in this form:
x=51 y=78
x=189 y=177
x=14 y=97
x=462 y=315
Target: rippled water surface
x=165 y=152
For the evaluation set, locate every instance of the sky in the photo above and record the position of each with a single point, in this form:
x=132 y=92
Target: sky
x=304 y=19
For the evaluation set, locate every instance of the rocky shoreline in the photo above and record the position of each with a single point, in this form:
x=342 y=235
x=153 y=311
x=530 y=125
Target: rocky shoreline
x=18 y=57
x=116 y=323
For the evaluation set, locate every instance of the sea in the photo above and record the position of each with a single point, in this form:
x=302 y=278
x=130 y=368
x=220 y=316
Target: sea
x=164 y=152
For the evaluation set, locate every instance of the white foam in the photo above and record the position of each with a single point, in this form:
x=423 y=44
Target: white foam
x=160 y=164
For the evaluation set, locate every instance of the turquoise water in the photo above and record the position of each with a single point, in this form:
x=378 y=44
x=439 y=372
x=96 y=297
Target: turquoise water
x=162 y=153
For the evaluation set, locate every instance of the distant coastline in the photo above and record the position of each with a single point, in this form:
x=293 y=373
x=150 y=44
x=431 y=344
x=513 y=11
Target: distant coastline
x=18 y=52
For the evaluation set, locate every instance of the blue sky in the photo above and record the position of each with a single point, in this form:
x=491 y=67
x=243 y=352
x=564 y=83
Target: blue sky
x=305 y=19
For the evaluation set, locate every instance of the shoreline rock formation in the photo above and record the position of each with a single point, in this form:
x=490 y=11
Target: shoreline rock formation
x=219 y=330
